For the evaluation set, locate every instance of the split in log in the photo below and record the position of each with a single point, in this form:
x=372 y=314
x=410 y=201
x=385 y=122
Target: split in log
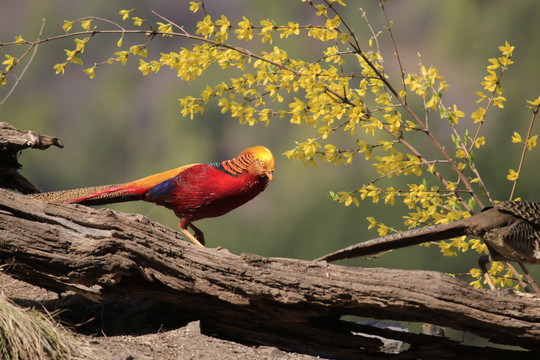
x=289 y=303
x=12 y=141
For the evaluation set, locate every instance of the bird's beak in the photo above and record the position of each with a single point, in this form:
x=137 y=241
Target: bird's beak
x=270 y=175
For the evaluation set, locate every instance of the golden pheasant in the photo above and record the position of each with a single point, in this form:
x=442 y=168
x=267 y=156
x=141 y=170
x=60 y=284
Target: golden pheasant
x=193 y=192
x=510 y=229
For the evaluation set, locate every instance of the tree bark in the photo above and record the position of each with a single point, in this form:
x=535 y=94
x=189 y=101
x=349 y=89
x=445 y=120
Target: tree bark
x=289 y=303
x=293 y=304
x=12 y=141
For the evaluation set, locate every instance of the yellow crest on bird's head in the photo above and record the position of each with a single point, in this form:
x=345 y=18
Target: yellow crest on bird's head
x=263 y=154
x=266 y=164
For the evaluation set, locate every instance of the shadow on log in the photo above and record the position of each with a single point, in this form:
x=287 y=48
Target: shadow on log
x=289 y=303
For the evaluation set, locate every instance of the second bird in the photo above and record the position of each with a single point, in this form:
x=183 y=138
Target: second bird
x=193 y=192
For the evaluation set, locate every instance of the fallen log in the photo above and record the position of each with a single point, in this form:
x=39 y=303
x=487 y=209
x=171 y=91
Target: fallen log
x=293 y=304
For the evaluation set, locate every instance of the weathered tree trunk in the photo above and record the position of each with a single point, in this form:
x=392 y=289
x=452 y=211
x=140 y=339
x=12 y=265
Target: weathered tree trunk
x=12 y=141
x=293 y=304
x=289 y=303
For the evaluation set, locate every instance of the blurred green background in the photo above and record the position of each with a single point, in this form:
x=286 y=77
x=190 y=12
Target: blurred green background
x=121 y=126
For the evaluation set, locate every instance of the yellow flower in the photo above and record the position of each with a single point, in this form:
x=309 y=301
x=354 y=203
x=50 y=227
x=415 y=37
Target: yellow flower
x=372 y=222
x=194 y=6
x=139 y=50
x=223 y=23
x=481 y=96
x=321 y=10
x=67 y=25
x=124 y=13
x=506 y=49
x=512 y=175
x=90 y=72
x=245 y=30
x=205 y=27
x=499 y=101
x=60 y=68
x=494 y=64
x=86 y=24
x=432 y=103
x=505 y=61
x=461 y=154
x=122 y=56
x=535 y=102
x=390 y=197
x=164 y=28
x=516 y=138
x=266 y=31
x=144 y=67
x=19 y=40
x=477 y=284
x=479 y=115
x=10 y=62
x=532 y=142
x=382 y=230
x=480 y=142
x=80 y=44
x=292 y=29
x=478 y=245
x=333 y=23
x=455 y=115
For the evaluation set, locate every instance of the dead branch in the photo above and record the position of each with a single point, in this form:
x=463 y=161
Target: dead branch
x=12 y=141
x=293 y=304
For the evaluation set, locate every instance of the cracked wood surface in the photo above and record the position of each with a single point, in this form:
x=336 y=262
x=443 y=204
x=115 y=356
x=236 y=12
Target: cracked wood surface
x=290 y=303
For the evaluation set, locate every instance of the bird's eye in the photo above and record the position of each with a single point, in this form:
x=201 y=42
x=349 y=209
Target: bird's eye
x=262 y=163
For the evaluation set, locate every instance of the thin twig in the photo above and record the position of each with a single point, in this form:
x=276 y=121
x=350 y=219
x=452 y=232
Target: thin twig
x=170 y=22
x=204 y=8
x=525 y=145
x=423 y=163
x=398 y=58
x=516 y=275
x=19 y=78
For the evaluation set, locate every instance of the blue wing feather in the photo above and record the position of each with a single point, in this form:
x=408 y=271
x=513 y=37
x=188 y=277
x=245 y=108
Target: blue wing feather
x=163 y=190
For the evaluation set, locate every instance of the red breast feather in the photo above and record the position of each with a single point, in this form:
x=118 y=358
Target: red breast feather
x=203 y=191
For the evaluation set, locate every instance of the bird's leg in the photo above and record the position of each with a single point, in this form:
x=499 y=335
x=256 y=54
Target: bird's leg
x=482 y=261
x=192 y=238
x=197 y=238
x=530 y=278
x=517 y=276
x=197 y=233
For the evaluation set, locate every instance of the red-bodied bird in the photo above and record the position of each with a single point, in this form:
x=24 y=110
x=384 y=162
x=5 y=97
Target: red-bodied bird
x=193 y=192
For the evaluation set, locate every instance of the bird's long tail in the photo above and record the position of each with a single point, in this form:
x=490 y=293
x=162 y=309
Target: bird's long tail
x=400 y=240
x=108 y=194
x=95 y=195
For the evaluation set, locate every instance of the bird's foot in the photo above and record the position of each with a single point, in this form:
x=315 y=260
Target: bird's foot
x=482 y=262
x=197 y=237
x=192 y=238
x=198 y=234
